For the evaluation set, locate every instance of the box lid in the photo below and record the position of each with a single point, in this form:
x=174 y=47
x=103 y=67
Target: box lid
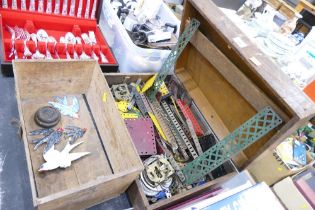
x=65 y=7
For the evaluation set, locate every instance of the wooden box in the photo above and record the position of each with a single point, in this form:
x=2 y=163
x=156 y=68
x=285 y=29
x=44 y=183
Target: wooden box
x=229 y=84
x=256 y=78
x=113 y=163
x=135 y=192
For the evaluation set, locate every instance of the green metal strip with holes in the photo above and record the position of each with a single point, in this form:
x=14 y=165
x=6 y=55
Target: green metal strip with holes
x=238 y=140
x=170 y=61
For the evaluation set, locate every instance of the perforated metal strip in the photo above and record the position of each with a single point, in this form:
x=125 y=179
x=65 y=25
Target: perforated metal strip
x=140 y=103
x=145 y=102
x=179 y=129
x=132 y=94
x=241 y=138
x=173 y=56
x=194 y=136
x=189 y=115
x=177 y=136
x=158 y=112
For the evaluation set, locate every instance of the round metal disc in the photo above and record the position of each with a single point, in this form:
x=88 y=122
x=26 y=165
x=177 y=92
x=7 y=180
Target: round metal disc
x=47 y=117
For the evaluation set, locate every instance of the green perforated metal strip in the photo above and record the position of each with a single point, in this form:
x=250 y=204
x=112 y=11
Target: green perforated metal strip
x=239 y=139
x=170 y=61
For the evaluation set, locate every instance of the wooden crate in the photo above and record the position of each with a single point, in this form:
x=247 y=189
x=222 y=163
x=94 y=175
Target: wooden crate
x=113 y=163
x=135 y=192
x=229 y=84
x=264 y=83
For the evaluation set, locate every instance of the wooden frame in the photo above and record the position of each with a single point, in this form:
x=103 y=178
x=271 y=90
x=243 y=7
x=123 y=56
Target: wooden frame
x=113 y=163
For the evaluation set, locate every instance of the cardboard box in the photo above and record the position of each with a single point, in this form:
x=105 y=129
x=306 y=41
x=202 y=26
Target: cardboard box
x=290 y=195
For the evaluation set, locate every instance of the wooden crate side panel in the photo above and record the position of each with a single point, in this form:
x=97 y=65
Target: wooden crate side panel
x=267 y=76
x=232 y=108
x=90 y=194
x=44 y=78
x=26 y=148
x=118 y=78
x=120 y=150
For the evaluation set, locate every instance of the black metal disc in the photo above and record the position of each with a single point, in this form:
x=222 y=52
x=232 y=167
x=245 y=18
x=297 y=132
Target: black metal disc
x=47 y=117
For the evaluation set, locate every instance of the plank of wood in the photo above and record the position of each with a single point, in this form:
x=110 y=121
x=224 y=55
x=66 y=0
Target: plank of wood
x=89 y=194
x=81 y=171
x=24 y=136
x=117 y=141
x=276 y=84
x=118 y=78
x=233 y=75
x=57 y=80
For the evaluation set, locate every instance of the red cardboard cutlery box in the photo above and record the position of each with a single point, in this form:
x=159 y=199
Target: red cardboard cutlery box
x=24 y=22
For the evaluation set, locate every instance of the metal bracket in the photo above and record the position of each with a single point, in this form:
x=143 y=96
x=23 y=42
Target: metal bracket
x=249 y=132
x=173 y=56
x=121 y=92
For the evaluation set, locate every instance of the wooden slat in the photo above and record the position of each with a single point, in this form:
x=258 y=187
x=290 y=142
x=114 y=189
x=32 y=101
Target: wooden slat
x=117 y=141
x=24 y=136
x=37 y=79
x=89 y=194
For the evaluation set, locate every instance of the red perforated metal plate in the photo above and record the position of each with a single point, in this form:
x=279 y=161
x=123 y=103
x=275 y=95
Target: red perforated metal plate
x=142 y=133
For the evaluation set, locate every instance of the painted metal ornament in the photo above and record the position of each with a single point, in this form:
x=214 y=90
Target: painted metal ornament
x=56 y=159
x=65 y=108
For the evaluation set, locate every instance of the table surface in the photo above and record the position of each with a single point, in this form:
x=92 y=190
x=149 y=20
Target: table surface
x=15 y=190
